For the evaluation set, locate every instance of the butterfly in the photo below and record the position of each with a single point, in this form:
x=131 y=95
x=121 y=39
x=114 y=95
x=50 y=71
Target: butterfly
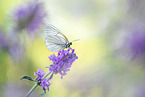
x=55 y=40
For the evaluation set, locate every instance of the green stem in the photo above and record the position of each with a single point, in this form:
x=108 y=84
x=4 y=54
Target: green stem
x=36 y=84
x=46 y=75
x=31 y=90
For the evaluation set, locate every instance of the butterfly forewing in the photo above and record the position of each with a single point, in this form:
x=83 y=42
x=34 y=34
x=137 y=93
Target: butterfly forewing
x=55 y=40
x=52 y=30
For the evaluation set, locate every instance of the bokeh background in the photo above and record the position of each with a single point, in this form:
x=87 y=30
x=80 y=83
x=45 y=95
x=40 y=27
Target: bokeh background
x=111 y=50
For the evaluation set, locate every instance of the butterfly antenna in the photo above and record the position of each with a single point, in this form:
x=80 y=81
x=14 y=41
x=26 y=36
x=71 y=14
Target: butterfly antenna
x=76 y=40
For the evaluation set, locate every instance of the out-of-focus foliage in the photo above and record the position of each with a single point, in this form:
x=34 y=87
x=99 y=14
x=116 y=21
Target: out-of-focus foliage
x=110 y=52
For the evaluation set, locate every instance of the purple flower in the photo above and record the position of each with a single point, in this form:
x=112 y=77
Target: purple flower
x=45 y=83
x=30 y=17
x=136 y=43
x=62 y=62
x=39 y=74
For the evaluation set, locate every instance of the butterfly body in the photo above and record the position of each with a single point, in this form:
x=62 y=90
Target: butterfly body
x=68 y=45
x=55 y=40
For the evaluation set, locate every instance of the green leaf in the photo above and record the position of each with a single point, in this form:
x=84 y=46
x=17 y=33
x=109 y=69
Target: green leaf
x=26 y=77
x=51 y=76
x=51 y=65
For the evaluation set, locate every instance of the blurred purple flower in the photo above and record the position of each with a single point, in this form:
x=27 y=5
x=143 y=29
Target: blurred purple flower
x=30 y=17
x=11 y=45
x=136 y=43
x=62 y=62
x=42 y=82
x=140 y=92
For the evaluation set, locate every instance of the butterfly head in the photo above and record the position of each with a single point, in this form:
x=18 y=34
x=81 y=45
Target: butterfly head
x=68 y=44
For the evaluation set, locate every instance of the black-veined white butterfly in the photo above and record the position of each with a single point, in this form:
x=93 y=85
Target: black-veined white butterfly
x=55 y=40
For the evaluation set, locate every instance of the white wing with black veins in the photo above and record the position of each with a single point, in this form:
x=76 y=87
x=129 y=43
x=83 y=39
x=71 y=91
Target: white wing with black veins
x=55 y=40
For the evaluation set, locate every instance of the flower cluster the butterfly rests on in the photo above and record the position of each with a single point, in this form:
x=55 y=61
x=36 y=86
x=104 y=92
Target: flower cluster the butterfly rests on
x=60 y=64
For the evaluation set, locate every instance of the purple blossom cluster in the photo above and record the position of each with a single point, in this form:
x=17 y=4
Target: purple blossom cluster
x=42 y=82
x=29 y=17
x=62 y=62
x=137 y=43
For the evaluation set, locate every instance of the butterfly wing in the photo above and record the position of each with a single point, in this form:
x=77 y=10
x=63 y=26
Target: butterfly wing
x=55 y=40
x=54 y=45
